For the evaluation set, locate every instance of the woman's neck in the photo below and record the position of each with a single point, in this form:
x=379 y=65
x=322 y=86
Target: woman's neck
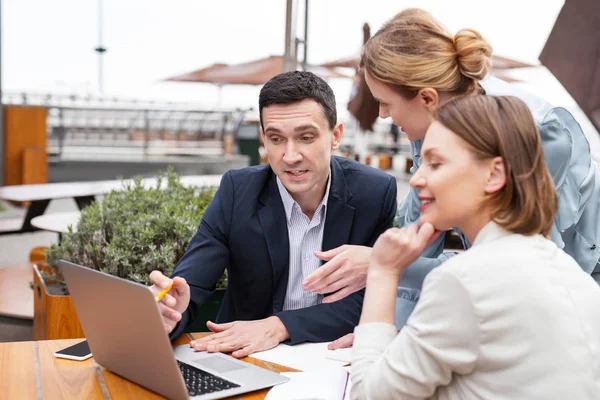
x=475 y=224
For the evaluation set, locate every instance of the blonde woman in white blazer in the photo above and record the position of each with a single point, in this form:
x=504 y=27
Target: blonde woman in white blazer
x=513 y=317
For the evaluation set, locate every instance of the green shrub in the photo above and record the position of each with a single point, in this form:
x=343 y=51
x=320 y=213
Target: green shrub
x=136 y=230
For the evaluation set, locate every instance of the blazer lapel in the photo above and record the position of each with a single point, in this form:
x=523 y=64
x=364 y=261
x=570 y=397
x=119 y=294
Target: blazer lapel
x=340 y=215
x=271 y=215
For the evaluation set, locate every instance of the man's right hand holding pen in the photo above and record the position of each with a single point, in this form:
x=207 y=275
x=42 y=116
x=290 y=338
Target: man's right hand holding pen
x=175 y=302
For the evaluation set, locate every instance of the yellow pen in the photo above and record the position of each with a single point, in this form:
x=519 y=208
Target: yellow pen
x=164 y=291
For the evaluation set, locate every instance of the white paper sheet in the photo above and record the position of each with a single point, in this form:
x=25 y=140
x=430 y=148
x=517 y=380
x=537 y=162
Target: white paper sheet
x=328 y=383
x=301 y=356
x=343 y=355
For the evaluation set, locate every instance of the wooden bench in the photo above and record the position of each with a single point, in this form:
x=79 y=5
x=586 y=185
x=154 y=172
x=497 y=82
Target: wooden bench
x=16 y=299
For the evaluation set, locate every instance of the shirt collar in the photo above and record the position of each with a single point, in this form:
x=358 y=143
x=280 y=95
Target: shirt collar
x=288 y=201
x=491 y=231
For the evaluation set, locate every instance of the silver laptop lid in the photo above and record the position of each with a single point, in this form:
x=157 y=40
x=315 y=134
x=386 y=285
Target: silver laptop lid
x=125 y=335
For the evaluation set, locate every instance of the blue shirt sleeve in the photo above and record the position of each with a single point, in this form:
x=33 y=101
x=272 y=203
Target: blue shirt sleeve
x=567 y=152
x=409 y=287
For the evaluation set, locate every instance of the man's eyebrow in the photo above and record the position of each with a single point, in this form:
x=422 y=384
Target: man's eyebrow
x=271 y=129
x=304 y=128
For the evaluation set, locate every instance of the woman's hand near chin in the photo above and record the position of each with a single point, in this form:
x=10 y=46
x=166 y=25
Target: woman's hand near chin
x=397 y=248
x=393 y=252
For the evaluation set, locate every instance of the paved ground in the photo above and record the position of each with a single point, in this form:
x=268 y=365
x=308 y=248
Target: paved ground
x=14 y=249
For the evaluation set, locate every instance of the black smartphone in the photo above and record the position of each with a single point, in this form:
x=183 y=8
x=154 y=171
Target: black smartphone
x=80 y=351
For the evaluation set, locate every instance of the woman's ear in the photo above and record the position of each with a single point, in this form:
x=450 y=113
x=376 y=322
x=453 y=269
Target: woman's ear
x=497 y=176
x=430 y=98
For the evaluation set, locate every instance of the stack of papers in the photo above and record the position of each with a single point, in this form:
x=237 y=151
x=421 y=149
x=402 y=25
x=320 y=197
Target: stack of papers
x=342 y=355
x=330 y=383
x=325 y=377
x=305 y=356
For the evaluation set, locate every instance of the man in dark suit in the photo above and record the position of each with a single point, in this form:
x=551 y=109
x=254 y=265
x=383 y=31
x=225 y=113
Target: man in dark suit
x=266 y=222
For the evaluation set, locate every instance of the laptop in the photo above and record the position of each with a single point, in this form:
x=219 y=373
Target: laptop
x=124 y=329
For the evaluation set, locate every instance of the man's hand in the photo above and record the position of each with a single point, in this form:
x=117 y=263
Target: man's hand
x=344 y=273
x=342 y=343
x=174 y=303
x=243 y=338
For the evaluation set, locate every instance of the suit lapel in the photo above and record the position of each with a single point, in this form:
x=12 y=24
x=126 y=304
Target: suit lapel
x=340 y=215
x=271 y=215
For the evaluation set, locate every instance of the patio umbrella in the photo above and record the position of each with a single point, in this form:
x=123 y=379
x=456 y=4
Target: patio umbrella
x=572 y=54
x=346 y=62
x=497 y=63
x=256 y=72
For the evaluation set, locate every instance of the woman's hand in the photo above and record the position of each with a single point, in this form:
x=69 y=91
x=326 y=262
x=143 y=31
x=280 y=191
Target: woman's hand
x=397 y=248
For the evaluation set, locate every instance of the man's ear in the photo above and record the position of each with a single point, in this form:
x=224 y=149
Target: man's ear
x=430 y=98
x=496 y=177
x=338 y=133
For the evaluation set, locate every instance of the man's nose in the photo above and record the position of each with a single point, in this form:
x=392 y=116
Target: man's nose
x=291 y=153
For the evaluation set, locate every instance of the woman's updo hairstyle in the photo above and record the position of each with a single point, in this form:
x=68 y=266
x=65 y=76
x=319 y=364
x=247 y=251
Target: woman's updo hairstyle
x=413 y=50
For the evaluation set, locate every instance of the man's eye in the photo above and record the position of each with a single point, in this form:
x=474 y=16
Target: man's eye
x=306 y=138
x=434 y=165
x=276 y=140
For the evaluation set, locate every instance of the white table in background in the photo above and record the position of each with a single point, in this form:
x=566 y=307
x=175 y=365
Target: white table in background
x=39 y=196
x=57 y=222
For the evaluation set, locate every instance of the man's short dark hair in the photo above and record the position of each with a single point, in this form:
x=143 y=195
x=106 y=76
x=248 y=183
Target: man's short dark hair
x=295 y=86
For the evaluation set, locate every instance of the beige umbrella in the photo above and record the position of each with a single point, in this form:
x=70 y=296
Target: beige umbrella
x=256 y=72
x=497 y=63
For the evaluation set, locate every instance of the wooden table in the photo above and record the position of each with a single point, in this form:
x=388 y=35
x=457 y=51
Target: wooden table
x=39 y=196
x=28 y=370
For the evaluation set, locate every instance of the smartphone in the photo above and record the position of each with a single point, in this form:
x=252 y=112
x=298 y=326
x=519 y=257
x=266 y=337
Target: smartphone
x=80 y=351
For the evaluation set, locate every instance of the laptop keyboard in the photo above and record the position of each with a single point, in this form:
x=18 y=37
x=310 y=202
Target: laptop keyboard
x=201 y=382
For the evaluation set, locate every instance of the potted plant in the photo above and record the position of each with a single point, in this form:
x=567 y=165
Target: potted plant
x=130 y=233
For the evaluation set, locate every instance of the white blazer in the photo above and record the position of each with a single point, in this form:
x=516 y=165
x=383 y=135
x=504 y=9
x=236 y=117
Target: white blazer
x=514 y=317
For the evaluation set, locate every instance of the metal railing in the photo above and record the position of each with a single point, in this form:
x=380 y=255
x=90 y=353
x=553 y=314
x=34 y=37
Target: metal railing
x=140 y=128
x=96 y=123
x=74 y=100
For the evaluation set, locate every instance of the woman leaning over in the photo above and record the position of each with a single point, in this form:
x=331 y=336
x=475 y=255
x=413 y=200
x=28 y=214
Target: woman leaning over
x=513 y=317
x=413 y=65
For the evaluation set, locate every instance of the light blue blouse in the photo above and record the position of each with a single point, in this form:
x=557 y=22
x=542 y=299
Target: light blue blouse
x=577 y=225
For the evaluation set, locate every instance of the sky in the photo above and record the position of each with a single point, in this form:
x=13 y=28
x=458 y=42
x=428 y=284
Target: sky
x=48 y=45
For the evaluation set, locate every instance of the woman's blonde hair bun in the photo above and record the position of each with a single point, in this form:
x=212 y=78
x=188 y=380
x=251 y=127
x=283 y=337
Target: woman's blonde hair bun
x=473 y=53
